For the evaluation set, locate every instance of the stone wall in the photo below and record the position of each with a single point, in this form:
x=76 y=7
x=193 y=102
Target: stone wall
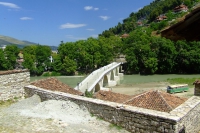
x=137 y=120
x=12 y=83
x=197 y=88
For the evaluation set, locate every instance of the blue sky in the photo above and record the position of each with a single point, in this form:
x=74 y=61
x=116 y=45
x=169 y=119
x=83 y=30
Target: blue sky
x=48 y=22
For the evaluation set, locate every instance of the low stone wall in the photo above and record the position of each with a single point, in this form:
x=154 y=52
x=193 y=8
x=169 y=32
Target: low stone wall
x=137 y=120
x=12 y=83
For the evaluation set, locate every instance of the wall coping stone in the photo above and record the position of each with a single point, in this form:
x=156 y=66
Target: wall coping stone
x=174 y=116
x=13 y=71
x=186 y=107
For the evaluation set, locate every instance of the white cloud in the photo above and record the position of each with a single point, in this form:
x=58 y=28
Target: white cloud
x=88 y=8
x=11 y=5
x=69 y=25
x=90 y=29
x=96 y=9
x=26 y=18
x=104 y=17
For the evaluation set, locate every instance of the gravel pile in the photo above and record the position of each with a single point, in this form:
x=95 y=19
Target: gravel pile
x=31 y=115
x=54 y=84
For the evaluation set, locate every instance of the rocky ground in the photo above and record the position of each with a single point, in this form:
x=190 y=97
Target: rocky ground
x=33 y=116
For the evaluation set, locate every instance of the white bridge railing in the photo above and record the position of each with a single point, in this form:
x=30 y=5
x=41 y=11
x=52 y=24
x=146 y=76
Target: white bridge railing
x=91 y=80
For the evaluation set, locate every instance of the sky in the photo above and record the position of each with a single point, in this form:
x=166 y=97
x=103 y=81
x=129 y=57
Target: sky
x=48 y=22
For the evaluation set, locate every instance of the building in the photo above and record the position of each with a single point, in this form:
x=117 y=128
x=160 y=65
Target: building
x=180 y=8
x=124 y=35
x=139 y=23
x=161 y=18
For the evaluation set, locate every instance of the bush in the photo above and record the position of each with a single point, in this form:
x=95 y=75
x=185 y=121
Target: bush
x=55 y=74
x=46 y=74
x=88 y=94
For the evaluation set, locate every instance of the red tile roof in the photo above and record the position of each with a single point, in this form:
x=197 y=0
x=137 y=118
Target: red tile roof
x=156 y=100
x=180 y=8
x=125 y=35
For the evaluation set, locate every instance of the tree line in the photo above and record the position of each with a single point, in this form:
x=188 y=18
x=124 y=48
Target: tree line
x=144 y=54
x=156 y=55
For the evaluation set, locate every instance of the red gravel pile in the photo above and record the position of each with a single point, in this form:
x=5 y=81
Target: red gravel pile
x=112 y=96
x=54 y=84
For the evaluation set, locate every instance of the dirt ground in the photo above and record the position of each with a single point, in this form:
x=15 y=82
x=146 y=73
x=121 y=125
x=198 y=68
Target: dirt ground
x=30 y=115
x=133 y=89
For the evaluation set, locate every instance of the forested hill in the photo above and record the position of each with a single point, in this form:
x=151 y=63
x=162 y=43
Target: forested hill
x=146 y=15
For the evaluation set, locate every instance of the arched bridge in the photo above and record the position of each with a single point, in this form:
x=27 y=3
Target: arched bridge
x=101 y=78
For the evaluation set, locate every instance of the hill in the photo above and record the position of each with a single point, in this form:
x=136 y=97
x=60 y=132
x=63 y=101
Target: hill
x=147 y=16
x=6 y=40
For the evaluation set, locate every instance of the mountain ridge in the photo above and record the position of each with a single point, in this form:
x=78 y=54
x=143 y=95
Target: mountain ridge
x=6 y=40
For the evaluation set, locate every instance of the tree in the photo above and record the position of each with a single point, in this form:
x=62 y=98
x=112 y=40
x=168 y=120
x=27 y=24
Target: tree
x=3 y=64
x=30 y=58
x=42 y=54
x=69 y=66
x=56 y=64
x=166 y=55
x=36 y=58
x=11 y=53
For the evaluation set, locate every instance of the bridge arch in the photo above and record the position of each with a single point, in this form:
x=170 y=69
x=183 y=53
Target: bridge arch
x=97 y=88
x=105 y=81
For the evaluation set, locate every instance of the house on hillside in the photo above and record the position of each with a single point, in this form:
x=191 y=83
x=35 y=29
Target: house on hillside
x=139 y=23
x=161 y=18
x=124 y=35
x=180 y=8
x=3 y=47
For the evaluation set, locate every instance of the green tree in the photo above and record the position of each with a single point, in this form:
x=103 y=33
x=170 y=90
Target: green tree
x=36 y=58
x=69 y=66
x=166 y=55
x=11 y=53
x=30 y=58
x=3 y=64
x=56 y=64
x=42 y=54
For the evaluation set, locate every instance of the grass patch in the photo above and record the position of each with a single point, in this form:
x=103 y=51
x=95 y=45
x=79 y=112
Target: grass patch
x=7 y=102
x=115 y=126
x=188 y=81
x=91 y=114
x=88 y=94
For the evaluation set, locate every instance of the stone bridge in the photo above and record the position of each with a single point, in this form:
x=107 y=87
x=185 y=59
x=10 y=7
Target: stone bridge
x=102 y=78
